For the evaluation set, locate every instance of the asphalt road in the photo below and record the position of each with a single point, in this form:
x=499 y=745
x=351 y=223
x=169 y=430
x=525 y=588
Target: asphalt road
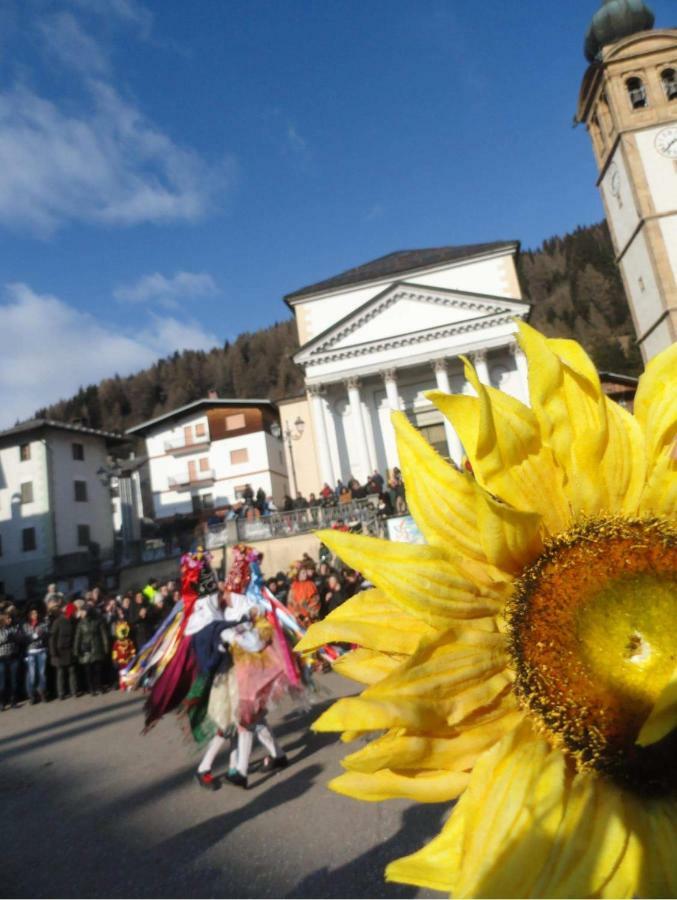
x=90 y=808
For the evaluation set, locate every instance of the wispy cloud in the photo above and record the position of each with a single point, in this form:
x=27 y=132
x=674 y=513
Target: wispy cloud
x=374 y=212
x=71 y=45
x=295 y=141
x=158 y=288
x=130 y=12
x=106 y=164
x=41 y=331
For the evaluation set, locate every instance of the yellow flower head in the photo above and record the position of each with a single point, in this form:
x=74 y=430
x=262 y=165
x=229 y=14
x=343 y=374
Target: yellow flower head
x=525 y=658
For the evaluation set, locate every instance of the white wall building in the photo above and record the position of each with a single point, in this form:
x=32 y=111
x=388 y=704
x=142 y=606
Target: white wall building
x=55 y=513
x=377 y=337
x=202 y=455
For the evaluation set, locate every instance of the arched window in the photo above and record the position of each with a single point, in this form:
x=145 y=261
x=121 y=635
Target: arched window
x=669 y=79
x=637 y=93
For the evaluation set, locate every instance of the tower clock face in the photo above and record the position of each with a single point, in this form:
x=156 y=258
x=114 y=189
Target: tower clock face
x=666 y=142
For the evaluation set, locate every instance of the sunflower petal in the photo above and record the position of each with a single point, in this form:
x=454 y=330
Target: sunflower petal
x=657 y=826
x=441 y=499
x=425 y=787
x=446 y=680
x=415 y=577
x=525 y=829
x=663 y=717
x=402 y=750
x=511 y=539
x=367 y=666
x=507 y=454
x=656 y=402
x=370 y=620
x=596 y=443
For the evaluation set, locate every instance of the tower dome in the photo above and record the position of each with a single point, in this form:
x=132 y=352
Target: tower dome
x=615 y=20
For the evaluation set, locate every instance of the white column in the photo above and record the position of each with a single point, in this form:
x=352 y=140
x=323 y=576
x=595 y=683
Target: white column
x=390 y=381
x=317 y=407
x=479 y=360
x=522 y=370
x=454 y=445
x=353 y=386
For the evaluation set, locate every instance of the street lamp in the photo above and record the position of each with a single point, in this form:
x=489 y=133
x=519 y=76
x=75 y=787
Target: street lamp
x=289 y=437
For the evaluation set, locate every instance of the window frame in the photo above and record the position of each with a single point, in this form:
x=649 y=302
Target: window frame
x=75 y=445
x=639 y=91
x=239 y=462
x=25 y=452
x=28 y=485
x=25 y=533
x=85 y=530
x=83 y=499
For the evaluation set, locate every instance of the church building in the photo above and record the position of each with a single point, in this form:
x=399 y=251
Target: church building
x=376 y=337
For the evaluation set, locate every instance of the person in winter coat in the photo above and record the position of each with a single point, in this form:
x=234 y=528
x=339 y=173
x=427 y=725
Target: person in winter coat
x=61 y=638
x=35 y=647
x=143 y=629
x=10 y=645
x=91 y=647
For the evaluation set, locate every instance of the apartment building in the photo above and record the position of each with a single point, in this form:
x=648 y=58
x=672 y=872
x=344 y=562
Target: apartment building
x=202 y=455
x=56 y=521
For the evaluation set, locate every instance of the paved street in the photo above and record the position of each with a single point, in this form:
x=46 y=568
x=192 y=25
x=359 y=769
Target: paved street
x=90 y=808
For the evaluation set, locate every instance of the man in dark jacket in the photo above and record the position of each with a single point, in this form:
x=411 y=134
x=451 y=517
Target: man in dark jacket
x=91 y=646
x=61 y=638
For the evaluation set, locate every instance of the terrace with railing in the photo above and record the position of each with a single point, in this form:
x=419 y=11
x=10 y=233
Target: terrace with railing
x=301 y=521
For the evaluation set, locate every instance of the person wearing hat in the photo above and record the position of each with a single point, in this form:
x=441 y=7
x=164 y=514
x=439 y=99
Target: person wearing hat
x=61 y=638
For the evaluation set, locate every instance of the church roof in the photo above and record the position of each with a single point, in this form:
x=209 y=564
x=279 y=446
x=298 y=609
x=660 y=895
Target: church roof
x=399 y=262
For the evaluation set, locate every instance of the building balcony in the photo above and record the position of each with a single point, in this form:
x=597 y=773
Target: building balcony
x=188 y=479
x=179 y=445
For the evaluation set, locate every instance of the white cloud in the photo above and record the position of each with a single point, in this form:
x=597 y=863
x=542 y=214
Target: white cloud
x=108 y=164
x=130 y=12
x=295 y=141
x=72 y=46
x=50 y=349
x=167 y=291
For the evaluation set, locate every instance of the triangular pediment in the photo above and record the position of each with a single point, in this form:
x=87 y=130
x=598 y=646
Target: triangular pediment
x=404 y=310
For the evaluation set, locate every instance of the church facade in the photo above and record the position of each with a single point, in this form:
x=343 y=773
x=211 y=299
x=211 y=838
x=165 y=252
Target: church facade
x=377 y=337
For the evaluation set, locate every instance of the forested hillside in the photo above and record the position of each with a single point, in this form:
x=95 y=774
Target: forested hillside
x=572 y=281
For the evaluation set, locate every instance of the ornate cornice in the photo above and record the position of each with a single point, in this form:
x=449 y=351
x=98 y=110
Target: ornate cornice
x=390 y=299
x=505 y=317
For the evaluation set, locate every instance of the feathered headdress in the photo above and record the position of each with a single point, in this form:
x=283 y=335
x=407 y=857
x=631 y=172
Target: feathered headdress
x=197 y=578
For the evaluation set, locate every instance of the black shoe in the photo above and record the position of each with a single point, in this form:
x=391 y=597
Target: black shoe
x=62 y=696
x=15 y=705
x=95 y=693
x=270 y=763
x=206 y=780
x=33 y=701
x=236 y=779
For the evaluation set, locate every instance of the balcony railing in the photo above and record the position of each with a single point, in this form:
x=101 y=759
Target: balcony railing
x=181 y=445
x=302 y=521
x=190 y=479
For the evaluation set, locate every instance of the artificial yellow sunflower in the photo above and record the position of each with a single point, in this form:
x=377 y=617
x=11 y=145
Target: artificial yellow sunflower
x=525 y=658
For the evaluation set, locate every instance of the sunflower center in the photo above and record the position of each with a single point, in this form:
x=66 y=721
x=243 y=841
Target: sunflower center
x=593 y=640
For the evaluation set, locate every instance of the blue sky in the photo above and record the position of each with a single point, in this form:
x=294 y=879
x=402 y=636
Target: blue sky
x=170 y=169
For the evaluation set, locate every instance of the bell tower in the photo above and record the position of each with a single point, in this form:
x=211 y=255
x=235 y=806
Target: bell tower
x=628 y=103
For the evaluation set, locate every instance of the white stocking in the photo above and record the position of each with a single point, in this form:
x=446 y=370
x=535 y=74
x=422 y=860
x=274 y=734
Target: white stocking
x=213 y=748
x=245 y=742
x=265 y=736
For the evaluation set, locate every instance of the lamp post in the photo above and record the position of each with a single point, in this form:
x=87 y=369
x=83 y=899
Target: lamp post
x=289 y=437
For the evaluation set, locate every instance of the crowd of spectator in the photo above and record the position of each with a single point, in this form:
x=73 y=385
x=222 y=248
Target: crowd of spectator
x=67 y=646
x=389 y=491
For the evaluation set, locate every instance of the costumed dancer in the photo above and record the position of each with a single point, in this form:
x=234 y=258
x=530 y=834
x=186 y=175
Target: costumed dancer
x=263 y=671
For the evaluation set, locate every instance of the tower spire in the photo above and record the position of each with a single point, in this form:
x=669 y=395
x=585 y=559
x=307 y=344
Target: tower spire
x=615 y=20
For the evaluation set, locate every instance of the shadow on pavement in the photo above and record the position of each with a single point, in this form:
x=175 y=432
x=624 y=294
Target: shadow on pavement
x=364 y=876
x=69 y=720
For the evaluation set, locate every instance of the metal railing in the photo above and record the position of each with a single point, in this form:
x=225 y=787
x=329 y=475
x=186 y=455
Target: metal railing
x=302 y=521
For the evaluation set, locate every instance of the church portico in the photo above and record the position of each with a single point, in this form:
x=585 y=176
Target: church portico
x=403 y=341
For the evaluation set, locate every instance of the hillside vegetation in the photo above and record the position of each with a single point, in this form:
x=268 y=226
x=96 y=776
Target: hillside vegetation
x=572 y=281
